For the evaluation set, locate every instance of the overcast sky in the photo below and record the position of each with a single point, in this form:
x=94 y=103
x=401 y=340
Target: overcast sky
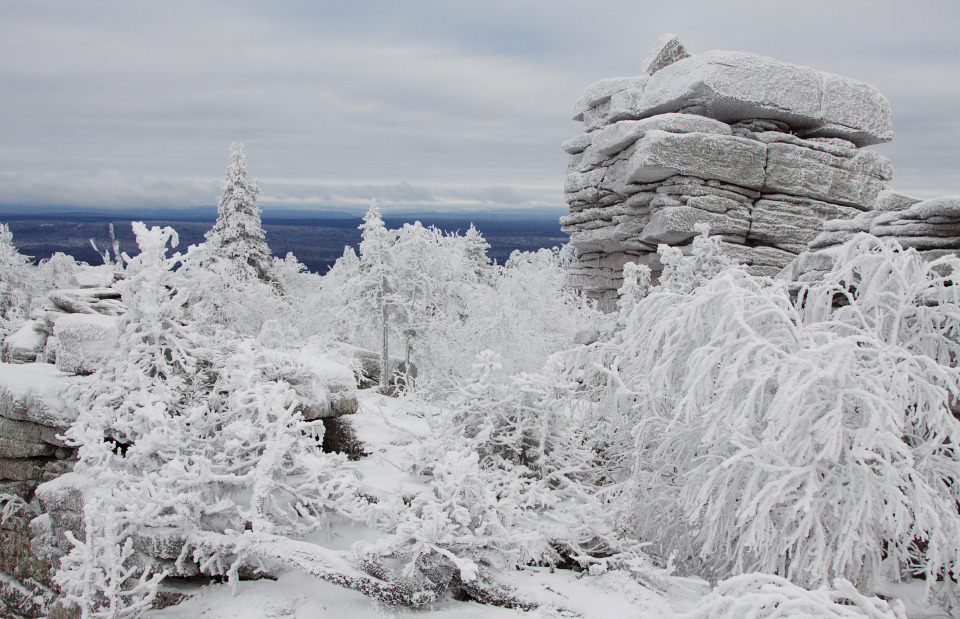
x=433 y=103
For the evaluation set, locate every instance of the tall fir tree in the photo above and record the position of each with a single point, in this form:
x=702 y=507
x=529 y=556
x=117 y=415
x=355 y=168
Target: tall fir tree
x=238 y=233
x=376 y=284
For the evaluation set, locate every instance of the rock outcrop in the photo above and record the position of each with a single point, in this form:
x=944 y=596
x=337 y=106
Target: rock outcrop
x=32 y=417
x=932 y=227
x=762 y=151
x=86 y=334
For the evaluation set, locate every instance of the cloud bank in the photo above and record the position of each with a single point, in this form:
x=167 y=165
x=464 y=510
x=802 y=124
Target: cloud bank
x=112 y=103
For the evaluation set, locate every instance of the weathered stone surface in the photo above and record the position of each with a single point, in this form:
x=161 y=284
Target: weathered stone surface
x=733 y=86
x=793 y=222
x=769 y=257
x=943 y=206
x=22 y=439
x=601 y=91
x=888 y=200
x=615 y=137
x=64 y=493
x=578 y=144
x=23 y=469
x=160 y=542
x=675 y=225
x=85 y=342
x=660 y=155
x=23 y=489
x=815 y=174
x=852 y=110
x=667 y=50
x=24 y=345
x=713 y=203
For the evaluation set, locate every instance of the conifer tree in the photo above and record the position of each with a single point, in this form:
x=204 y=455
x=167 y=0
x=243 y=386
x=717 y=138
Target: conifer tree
x=476 y=249
x=238 y=233
x=376 y=284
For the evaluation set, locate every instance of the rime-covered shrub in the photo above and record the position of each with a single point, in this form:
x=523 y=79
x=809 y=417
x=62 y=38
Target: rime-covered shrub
x=510 y=485
x=438 y=299
x=806 y=438
x=16 y=284
x=199 y=435
x=763 y=595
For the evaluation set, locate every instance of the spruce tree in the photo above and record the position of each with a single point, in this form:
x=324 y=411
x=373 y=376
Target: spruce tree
x=238 y=233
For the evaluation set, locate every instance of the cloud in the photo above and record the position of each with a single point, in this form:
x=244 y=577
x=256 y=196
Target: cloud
x=416 y=100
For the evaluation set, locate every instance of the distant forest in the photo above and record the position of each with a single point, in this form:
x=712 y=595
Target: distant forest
x=317 y=243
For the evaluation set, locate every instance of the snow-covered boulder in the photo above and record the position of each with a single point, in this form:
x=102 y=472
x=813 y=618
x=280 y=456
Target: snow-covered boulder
x=85 y=341
x=31 y=392
x=332 y=388
x=24 y=345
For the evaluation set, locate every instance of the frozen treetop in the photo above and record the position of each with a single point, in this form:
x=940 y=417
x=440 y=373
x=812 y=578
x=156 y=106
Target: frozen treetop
x=737 y=86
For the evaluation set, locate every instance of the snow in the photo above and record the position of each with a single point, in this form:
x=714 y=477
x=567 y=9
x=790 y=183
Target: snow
x=34 y=390
x=95 y=276
x=666 y=451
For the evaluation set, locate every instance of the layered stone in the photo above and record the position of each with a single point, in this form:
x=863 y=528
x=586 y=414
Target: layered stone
x=932 y=227
x=733 y=86
x=761 y=151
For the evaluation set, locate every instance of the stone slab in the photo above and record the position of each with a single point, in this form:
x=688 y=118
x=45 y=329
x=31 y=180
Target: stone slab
x=22 y=439
x=777 y=221
x=675 y=225
x=85 y=342
x=799 y=171
x=661 y=154
x=31 y=392
x=619 y=135
x=735 y=86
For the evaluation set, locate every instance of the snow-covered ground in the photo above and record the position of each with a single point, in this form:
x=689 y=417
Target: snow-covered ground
x=392 y=431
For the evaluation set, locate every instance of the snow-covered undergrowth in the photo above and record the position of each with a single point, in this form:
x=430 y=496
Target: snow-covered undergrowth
x=436 y=301
x=793 y=445
x=809 y=437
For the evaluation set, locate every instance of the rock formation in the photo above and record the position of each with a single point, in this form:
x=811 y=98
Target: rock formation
x=762 y=151
x=932 y=227
x=32 y=416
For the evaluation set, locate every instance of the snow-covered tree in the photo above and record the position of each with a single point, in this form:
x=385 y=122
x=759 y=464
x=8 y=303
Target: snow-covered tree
x=476 y=248
x=808 y=439
x=238 y=233
x=159 y=357
x=375 y=286
x=201 y=436
x=103 y=575
x=16 y=283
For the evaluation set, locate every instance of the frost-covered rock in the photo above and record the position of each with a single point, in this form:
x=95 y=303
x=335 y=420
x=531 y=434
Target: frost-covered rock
x=667 y=50
x=24 y=345
x=799 y=171
x=762 y=151
x=930 y=226
x=735 y=86
x=85 y=341
x=661 y=154
x=333 y=386
x=32 y=392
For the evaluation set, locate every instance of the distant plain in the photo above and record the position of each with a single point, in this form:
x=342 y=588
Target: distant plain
x=317 y=242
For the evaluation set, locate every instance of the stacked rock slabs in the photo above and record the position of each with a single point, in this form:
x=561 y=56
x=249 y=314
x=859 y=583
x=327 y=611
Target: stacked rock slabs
x=762 y=151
